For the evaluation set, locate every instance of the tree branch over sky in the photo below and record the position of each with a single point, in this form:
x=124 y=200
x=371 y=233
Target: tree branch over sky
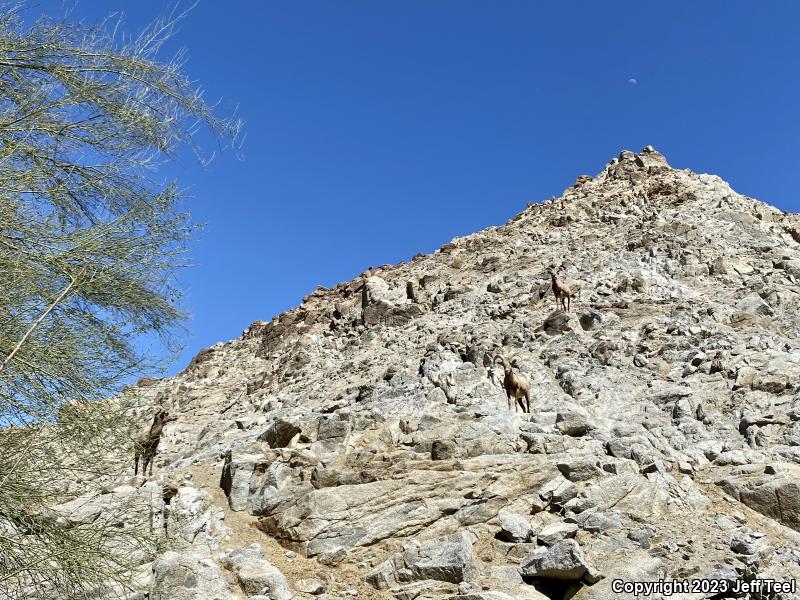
x=90 y=240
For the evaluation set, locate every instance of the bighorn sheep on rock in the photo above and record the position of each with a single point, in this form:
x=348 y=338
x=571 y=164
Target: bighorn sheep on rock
x=516 y=386
x=410 y=293
x=561 y=291
x=447 y=383
x=146 y=443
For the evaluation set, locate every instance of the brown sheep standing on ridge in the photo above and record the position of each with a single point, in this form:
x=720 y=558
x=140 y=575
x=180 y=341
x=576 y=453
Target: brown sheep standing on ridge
x=561 y=291
x=146 y=443
x=516 y=386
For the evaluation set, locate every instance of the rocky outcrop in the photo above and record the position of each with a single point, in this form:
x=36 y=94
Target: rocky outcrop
x=255 y=575
x=367 y=430
x=771 y=493
x=564 y=560
x=184 y=577
x=448 y=559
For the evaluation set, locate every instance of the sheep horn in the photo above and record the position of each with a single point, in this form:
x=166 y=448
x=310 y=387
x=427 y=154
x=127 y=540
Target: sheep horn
x=503 y=360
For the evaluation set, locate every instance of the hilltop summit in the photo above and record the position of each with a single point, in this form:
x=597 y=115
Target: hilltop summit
x=367 y=431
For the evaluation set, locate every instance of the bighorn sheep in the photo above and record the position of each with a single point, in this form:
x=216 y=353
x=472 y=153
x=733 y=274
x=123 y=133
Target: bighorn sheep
x=516 y=386
x=561 y=291
x=447 y=383
x=146 y=442
x=410 y=294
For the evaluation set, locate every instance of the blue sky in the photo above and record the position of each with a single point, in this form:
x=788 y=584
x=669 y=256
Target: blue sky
x=376 y=130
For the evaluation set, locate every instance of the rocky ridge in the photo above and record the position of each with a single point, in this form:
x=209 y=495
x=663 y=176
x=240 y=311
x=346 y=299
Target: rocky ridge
x=368 y=434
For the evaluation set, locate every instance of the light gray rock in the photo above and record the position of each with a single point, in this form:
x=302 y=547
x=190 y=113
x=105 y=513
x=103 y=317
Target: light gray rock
x=562 y=560
x=572 y=424
x=255 y=574
x=507 y=574
x=590 y=320
x=445 y=450
x=555 y=532
x=579 y=468
x=744 y=542
x=773 y=383
x=514 y=527
x=235 y=481
x=279 y=433
x=600 y=522
x=194 y=521
x=778 y=498
x=744 y=377
x=558 y=491
x=557 y=322
x=446 y=559
x=753 y=303
x=179 y=576
x=311 y=585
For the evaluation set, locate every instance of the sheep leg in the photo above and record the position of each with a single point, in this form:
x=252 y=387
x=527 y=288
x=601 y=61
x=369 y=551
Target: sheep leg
x=569 y=302
x=136 y=464
x=519 y=402
x=528 y=401
x=152 y=460
x=147 y=459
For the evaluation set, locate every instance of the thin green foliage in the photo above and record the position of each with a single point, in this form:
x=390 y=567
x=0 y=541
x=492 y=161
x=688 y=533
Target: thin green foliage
x=90 y=241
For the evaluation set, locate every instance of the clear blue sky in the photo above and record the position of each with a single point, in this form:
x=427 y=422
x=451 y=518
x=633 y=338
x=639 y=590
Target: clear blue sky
x=376 y=130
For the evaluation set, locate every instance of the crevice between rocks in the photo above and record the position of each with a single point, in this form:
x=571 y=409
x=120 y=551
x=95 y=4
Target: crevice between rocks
x=555 y=589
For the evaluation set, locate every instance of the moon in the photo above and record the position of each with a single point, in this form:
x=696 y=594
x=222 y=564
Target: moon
x=632 y=81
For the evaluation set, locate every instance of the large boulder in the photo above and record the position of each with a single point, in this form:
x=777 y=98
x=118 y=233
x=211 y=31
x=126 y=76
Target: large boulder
x=235 y=479
x=562 y=560
x=514 y=527
x=255 y=574
x=556 y=322
x=279 y=433
x=555 y=532
x=445 y=559
x=777 y=497
x=192 y=520
x=179 y=576
x=754 y=304
x=384 y=313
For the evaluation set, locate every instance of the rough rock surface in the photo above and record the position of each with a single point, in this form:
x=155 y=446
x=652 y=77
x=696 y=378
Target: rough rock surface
x=367 y=430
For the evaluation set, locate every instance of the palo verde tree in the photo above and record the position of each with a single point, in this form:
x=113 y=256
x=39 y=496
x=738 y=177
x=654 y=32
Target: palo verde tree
x=90 y=240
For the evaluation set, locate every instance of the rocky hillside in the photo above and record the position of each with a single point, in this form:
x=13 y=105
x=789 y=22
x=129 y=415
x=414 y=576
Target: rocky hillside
x=362 y=446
